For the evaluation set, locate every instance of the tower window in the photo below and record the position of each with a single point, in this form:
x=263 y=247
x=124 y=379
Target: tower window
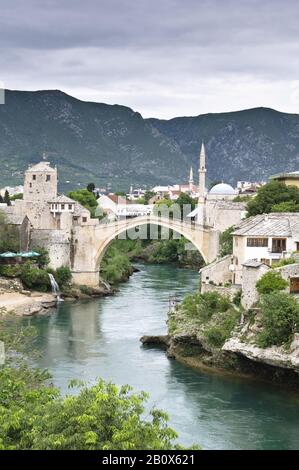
x=48 y=177
x=34 y=177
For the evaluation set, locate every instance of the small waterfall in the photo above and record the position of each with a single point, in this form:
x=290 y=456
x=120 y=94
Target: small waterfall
x=55 y=287
x=108 y=287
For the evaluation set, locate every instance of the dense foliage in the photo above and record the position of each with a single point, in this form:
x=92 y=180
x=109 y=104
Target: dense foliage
x=9 y=235
x=271 y=282
x=35 y=416
x=115 y=266
x=226 y=242
x=210 y=314
x=85 y=198
x=279 y=319
x=274 y=197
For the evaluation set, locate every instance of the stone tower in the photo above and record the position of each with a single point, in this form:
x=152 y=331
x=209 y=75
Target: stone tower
x=191 y=180
x=202 y=186
x=40 y=183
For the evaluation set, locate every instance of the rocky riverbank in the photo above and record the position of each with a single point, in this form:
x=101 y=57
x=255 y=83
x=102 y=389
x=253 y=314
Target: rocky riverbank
x=22 y=302
x=225 y=342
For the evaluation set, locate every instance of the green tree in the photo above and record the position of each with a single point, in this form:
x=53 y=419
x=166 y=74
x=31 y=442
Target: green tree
x=270 y=195
x=226 y=241
x=271 y=282
x=148 y=195
x=63 y=276
x=7 y=198
x=288 y=206
x=9 y=235
x=35 y=416
x=279 y=319
x=43 y=259
x=185 y=200
x=16 y=196
x=35 y=278
x=85 y=198
x=90 y=187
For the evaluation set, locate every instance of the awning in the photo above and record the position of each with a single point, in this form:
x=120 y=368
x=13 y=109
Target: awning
x=8 y=254
x=193 y=213
x=22 y=254
x=28 y=254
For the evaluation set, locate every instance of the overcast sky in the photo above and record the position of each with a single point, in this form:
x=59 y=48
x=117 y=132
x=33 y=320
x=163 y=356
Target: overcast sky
x=163 y=58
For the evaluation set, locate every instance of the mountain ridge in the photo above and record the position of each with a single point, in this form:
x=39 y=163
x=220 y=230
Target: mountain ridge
x=114 y=144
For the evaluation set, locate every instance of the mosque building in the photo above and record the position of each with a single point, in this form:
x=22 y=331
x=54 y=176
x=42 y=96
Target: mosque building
x=216 y=208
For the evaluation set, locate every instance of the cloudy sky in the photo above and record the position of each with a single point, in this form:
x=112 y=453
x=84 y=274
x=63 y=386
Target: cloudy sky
x=164 y=58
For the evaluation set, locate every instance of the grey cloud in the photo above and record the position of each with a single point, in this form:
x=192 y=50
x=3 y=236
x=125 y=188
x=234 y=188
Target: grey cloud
x=166 y=55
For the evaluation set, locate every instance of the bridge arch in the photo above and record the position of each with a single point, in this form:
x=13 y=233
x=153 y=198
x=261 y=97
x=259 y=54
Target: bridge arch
x=91 y=242
x=191 y=232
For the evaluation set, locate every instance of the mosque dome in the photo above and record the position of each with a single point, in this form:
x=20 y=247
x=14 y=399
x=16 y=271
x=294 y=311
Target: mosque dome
x=223 y=189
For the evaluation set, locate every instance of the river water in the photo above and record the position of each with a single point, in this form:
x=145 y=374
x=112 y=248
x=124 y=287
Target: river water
x=100 y=338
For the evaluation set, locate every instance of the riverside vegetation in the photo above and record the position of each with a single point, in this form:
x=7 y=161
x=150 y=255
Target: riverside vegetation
x=35 y=416
x=203 y=324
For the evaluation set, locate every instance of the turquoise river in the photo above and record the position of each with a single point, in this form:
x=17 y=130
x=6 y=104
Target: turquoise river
x=100 y=338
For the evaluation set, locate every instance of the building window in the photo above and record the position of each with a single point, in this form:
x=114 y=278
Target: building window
x=48 y=177
x=62 y=206
x=279 y=245
x=30 y=185
x=257 y=242
x=297 y=246
x=84 y=219
x=34 y=177
x=70 y=207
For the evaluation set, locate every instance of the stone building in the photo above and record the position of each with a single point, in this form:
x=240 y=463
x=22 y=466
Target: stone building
x=265 y=238
x=45 y=218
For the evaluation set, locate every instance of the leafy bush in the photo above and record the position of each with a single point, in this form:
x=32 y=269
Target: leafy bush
x=288 y=206
x=221 y=331
x=116 y=266
x=283 y=262
x=226 y=242
x=271 y=282
x=237 y=298
x=279 y=319
x=35 y=278
x=63 y=276
x=34 y=416
x=271 y=196
x=10 y=270
x=203 y=306
x=43 y=259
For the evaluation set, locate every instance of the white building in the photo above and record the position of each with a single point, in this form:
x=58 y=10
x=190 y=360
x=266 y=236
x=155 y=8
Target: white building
x=116 y=207
x=265 y=238
x=13 y=190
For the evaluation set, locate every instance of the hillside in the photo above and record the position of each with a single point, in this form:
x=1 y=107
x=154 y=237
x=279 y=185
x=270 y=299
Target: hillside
x=89 y=141
x=112 y=144
x=244 y=145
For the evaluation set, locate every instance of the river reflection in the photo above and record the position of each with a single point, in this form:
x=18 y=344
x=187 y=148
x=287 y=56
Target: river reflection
x=100 y=338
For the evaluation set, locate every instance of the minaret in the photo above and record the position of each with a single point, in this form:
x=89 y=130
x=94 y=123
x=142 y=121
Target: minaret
x=191 y=180
x=202 y=186
x=202 y=175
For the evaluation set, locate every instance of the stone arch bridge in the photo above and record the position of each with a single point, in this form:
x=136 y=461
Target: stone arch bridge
x=90 y=242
